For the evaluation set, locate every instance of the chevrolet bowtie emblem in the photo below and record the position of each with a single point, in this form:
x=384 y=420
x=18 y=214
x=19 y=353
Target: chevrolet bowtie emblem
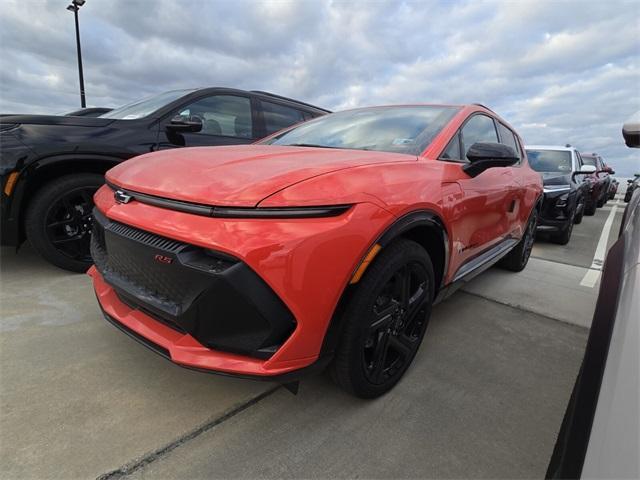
x=122 y=197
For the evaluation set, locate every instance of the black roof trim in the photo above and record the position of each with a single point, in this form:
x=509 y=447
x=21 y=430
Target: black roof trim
x=280 y=97
x=483 y=106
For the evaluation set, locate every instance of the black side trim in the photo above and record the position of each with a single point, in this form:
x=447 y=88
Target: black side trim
x=400 y=226
x=571 y=446
x=492 y=255
x=234 y=212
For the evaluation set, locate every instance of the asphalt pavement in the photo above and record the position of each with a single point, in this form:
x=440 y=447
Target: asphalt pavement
x=484 y=398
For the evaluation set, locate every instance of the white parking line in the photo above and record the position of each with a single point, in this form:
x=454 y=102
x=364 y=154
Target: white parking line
x=593 y=274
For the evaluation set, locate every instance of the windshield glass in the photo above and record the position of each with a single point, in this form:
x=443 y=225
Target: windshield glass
x=406 y=129
x=589 y=161
x=146 y=106
x=550 y=160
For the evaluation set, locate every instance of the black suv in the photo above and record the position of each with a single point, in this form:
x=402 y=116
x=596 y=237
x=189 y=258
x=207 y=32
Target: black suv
x=50 y=166
x=565 y=192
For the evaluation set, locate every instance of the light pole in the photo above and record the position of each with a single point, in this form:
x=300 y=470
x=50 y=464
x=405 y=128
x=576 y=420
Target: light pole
x=74 y=7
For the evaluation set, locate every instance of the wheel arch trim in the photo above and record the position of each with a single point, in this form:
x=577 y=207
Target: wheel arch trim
x=401 y=225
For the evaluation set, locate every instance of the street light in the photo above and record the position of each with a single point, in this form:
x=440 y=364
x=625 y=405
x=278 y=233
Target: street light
x=74 y=7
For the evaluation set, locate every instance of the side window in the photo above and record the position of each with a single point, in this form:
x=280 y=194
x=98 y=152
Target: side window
x=223 y=115
x=452 y=152
x=479 y=128
x=579 y=162
x=508 y=138
x=277 y=117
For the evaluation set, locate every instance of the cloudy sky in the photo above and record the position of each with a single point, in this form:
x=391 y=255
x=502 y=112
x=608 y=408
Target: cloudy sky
x=559 y=71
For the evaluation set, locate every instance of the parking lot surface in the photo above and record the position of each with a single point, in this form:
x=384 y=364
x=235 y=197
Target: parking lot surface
x=484 y=398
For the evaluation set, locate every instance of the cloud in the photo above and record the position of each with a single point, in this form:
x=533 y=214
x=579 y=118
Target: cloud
x=559 y=72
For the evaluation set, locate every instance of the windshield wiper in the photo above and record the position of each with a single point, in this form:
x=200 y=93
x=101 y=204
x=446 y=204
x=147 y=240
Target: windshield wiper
x=307 y=145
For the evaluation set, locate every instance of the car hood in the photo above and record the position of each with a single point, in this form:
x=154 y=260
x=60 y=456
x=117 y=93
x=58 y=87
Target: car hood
x=556 y=178
x=55 y=120
x=236 y=175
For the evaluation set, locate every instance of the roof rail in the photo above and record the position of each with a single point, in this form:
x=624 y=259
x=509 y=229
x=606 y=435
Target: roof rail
x=483 y=106
x=269 y=94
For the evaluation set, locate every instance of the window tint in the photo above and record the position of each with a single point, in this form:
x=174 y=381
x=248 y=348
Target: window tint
x=508 y=138
x=479 y=128
x=225 y=115
x=550 y=160
x=146 y=106
x=277 y=117
x=405 y=129
x=452 y=152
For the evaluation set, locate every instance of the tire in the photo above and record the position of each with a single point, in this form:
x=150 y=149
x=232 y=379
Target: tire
x=58 y=220
x=602 y=201
x=379 y=342
x=518 y=257
x=563 y=237
x=577 y=219
x=590 y=209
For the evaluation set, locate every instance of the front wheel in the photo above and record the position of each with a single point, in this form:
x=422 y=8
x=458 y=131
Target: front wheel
x=385 y=321
x=58 y=220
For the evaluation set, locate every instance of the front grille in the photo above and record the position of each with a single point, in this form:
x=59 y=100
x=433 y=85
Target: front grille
x=147 y=238
x=127 y=257
x=212 y=296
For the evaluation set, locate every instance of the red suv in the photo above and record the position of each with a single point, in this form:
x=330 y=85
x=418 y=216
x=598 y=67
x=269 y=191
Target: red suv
x=324 y=244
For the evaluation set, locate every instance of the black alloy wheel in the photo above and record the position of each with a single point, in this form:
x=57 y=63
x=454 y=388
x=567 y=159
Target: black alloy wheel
x=398 y=318
x=59 y=221
x=68 y=223
x=385 y=320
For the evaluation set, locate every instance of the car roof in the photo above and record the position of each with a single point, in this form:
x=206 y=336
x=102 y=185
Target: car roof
x=260 y=94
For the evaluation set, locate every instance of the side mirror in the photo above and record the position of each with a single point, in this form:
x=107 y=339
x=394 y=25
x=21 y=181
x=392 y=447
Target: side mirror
x=484 y=155
x=178 y=125
x=585 y=170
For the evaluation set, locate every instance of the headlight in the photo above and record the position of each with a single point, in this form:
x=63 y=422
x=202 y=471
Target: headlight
x=562 y=201
x=125 y=196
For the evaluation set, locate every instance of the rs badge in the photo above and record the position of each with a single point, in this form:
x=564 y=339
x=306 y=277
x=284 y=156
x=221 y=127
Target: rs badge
x=163 y=259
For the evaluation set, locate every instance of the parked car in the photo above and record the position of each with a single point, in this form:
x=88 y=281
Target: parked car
x=89 y=112
x=601 y=177
x=632 y=184
x=326 y=243
x=565 y=190
x=52 y=165
x=599 y=433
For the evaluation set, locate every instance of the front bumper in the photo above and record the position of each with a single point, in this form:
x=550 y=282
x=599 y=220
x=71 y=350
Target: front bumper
x=556 y=212
x=186 y=351
x=305 y=264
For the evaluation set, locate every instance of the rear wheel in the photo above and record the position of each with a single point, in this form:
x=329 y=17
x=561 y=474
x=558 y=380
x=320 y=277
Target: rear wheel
x=518 y=257
x=590 y=208
x=385 y=321
x=58 y=221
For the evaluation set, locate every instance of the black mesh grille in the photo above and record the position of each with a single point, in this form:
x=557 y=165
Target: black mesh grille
x=212 y=296
x=147 y=238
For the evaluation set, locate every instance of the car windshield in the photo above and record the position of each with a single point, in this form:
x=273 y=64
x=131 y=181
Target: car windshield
x=589 y=161
x=406 y=129
x=146 y=106
x=550 y=160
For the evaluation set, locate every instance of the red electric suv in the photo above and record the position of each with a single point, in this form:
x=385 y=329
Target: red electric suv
x=325 y=244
